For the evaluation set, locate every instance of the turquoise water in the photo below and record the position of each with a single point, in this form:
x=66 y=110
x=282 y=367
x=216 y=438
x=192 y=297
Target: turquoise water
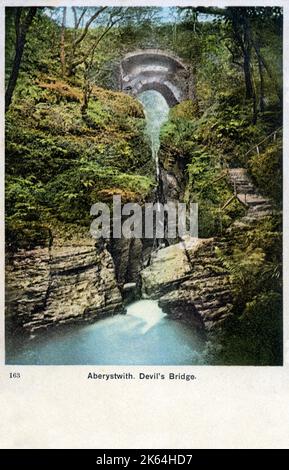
x=144 y=336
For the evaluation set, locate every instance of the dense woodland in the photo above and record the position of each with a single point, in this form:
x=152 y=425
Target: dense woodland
x=72 y=138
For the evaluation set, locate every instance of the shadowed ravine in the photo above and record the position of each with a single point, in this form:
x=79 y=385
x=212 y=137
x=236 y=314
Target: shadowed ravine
x=144 y=336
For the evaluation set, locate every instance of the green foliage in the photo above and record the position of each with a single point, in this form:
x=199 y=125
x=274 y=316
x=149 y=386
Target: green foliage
x=25 y=226
x=245 y=268
x=71 y=194
x=266 y=168
x=204 y=144
x=255 y=338
x=254 y=262
x=262 y=318
x=219 y=135
x=41 y=45
x=58 y=165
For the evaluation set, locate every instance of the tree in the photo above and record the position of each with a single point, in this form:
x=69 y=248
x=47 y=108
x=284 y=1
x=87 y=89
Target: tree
x=79 y=44
x=23 y=21
x=75 y=56
x=261 y=75
x=243 y=24
x=62 y=42
x=265 y=18
x=73 y=47
x=91 y=69
x=246 y=22
x=242 y=35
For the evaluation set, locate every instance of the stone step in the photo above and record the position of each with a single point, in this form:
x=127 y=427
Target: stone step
x=243 y=186
x=251 y=199
x=265 y=206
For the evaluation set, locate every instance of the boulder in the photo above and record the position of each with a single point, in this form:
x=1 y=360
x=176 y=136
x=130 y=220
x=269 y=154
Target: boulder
x=190 y=283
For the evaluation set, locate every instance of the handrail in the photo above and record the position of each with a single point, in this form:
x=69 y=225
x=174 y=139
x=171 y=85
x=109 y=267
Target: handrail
x=264 y=140
x=225 y=170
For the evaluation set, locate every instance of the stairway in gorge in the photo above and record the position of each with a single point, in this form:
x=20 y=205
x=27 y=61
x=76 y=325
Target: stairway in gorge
x=189 y=278
x=257 y=205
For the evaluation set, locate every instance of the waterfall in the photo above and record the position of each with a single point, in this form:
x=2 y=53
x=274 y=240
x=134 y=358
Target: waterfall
x=156 y=112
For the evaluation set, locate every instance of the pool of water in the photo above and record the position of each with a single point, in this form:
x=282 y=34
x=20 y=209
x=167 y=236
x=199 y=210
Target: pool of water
x=144 y=336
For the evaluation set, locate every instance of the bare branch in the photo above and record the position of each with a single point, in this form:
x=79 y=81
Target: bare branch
x=86 y=27
x=96 y=43
x=75 y=16
x=81 y=16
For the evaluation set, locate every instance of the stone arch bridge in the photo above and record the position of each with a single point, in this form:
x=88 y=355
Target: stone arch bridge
x=154 y=69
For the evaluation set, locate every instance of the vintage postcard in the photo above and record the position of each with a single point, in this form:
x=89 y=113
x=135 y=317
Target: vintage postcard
x=145 y=185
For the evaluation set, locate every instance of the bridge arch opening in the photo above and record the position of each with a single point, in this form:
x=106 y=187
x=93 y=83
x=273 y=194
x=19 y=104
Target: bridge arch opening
x=153 y=69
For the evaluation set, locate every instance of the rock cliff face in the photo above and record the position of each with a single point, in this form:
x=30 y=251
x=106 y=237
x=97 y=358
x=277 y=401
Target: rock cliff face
x=128 y=259
x=73 y=281
x=127 y=256
x=190 y=283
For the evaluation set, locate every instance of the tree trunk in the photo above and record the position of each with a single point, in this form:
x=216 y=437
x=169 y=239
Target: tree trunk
x=247 y=60
x=86 y=96
x=247 y=74
x=62 y=43
x=262 y=93
x=14 y=75
x=87 y=89
x=250 y=88
x=270 y=74
x=255 y=108
x=21 y=31
x=264 y=66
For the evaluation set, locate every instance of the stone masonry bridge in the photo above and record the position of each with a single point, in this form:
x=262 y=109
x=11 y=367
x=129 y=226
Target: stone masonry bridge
x=153 y=69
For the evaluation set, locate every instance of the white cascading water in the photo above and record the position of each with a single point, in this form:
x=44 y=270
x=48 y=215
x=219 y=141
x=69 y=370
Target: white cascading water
x=148 y=312
x=156 y=112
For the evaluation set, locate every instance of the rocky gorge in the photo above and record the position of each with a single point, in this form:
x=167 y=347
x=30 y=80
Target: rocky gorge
x=80 y=280
x=155 y=119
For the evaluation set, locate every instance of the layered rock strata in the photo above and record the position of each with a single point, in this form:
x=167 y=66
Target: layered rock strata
x=190 y=283
x=73 y=281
